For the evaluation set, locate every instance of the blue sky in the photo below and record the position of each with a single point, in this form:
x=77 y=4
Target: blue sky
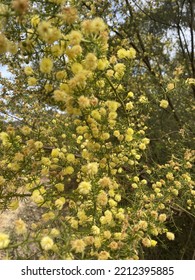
x=4 y=72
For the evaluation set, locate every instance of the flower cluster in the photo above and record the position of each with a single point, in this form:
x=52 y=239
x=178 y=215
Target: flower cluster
x=79 y=153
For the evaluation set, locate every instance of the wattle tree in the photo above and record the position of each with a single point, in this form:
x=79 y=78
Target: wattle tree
x=90 y=135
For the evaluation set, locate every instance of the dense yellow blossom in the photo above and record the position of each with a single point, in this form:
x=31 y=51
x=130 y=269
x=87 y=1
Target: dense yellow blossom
x=76 y=67
x=70 y=157
x=78 y=245
x=123 y=53
x=68 y=170
x=35 y=20
x=84 y=188
x=112 y=105
x=131 y=53
x=90 y=62
x=28 y=70
x=59 y=95
x=32 y=81
x=102 y=64
x=43 y=28
x=98 y=25
x=47 y=243
x=20 y=227
x=4 y=240
x=146 y=242
x=190 y=81
x=129 y=106
x=56 y=50
x=92 y=168
x=4 y=137
x=46 y=161
x=164 y=103
x=55 y=153
x=170 y=86
x=95 y=230
x=60 y=75
x=37 y=197
x=69 y=15
x=170 y=235
x=60 y=187
x=59 y=203
x=162 y=217
x=153 y=243
x=83 y=101
x=46 y=65
x=102 y=198
x=74 y=37
x=119 y=67
x=103 y=255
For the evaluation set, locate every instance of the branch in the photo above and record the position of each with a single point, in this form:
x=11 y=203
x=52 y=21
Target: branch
x=152 y=18
x=192 y=27
x=177 y=207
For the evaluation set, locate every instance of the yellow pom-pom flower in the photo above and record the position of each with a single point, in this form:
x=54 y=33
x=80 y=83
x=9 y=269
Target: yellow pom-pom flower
x=131 y=53
x=59 y=95
x=35 y=20
x=76 y=67
x=153 y=243
x=47 y=243
x=95 y=230
x=78 y=245
x=59 y=203
x=164 y=103
x=102 y=198
x=74 y=37
x=59 y=187
x=70 y=157
x=90 y=62
x=38 y=145
x=122 y=53
x=129 y=106
x=170 y=235
x=97 y=25
x=146 y=242
x=20 y=227
x=162 y=218
x=92 y=168
x=46 y=65
x=84 y=188
x=103 y=255
x=69 y=15
x=32 y=81
x=55 y=153
x=28 y=70
x=170 y=86
x=4 y=240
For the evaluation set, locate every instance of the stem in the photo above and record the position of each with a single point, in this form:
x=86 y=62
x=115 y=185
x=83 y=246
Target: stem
x=117 y=95
x=192 y=27
x=183 y=209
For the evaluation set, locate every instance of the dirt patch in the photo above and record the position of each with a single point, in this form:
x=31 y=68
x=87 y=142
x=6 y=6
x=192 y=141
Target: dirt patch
x=27 y=211
x=8 y=217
